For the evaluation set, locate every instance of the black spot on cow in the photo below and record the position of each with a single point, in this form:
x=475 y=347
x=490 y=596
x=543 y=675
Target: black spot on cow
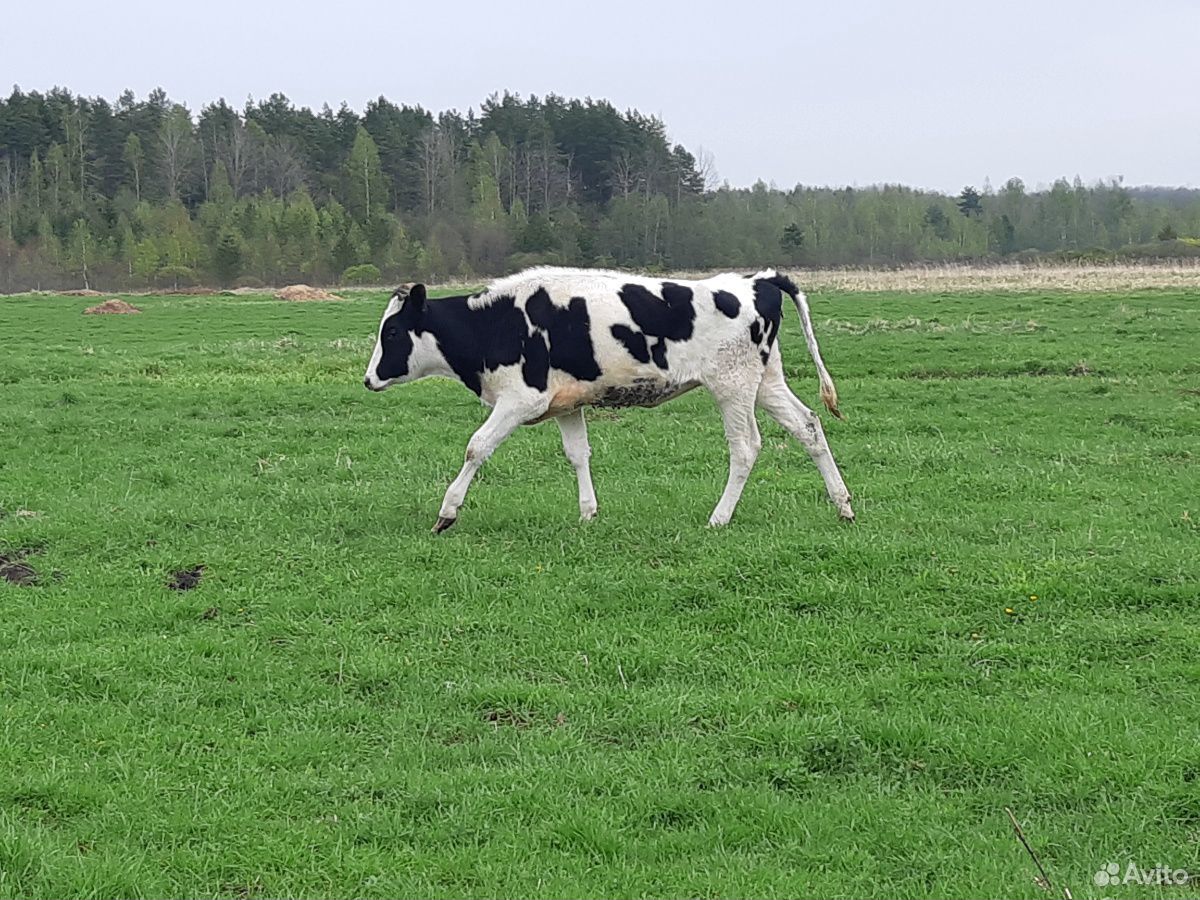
x=727 y=303
x=768 y=300
x=659 y=352
x=569 y=331
x=536 y=367
x=670 y=316
x=634 y=342
x=765 y=354
x=756 y=334
x=676 y=295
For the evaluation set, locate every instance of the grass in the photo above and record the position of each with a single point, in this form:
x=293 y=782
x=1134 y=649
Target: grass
x=347 y=705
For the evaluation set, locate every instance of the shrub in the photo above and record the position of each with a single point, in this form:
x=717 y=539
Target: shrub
x=1174 y=249
x=519 y=261
x=177 y=275
x=366 y=273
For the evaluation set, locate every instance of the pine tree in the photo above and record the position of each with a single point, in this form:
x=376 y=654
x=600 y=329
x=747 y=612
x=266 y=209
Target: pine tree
x=227 y=258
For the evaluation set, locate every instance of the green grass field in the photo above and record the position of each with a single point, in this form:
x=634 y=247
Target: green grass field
x=348 y=705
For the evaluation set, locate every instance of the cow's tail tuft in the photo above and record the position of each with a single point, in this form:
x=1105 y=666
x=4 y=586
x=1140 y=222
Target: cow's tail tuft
x=828 y=391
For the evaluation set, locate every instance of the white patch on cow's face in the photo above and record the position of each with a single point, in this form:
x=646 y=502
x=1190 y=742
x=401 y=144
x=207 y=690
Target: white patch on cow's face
x=371 y=379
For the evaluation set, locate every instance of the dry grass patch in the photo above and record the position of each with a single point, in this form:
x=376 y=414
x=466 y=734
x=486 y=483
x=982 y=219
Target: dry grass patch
x=1008 y=278
x=1012 y=278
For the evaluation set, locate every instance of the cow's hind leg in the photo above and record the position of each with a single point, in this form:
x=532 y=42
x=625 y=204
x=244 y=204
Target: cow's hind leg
x=777 y=399
x=741 y=431
x=491 y=434
x=575 y=445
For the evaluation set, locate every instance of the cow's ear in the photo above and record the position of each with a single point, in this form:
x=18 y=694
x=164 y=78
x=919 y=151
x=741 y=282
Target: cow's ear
x=416 y=296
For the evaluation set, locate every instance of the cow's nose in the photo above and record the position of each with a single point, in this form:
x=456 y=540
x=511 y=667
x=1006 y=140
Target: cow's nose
x=367 y=382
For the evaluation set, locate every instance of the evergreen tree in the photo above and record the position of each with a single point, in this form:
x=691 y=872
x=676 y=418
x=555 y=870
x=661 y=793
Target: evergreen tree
x=227 y=259
x=969 y=203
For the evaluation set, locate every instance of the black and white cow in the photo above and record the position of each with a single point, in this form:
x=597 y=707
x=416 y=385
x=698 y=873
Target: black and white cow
x=544 y=343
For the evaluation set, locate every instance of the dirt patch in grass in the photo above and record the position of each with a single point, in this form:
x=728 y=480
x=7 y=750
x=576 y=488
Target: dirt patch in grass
x=114 y=306
x=515 y=718
x=302 y=293
x=186 y=579
x=15 y=570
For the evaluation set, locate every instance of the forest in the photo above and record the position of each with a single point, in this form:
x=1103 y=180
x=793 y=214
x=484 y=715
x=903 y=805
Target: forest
x=147 y=194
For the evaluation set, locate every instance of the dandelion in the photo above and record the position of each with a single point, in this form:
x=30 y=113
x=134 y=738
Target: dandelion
x=1008 y=611
x=1033 y=597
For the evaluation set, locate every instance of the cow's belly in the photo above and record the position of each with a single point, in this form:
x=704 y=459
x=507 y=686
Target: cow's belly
x=647 y=390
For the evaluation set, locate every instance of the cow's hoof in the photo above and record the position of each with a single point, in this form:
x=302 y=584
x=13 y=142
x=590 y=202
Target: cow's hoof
x=846 y=515
x=443 y=523
x=586 y=515
x=718 y=521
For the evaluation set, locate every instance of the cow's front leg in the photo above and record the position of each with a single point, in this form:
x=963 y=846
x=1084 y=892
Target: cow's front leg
x=491 y=434
x=575 y=445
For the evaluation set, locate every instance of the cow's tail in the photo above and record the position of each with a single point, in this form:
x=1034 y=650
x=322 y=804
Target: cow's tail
x=828 y=391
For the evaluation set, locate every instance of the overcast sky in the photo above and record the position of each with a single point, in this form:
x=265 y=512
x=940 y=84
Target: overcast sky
x=929 y=93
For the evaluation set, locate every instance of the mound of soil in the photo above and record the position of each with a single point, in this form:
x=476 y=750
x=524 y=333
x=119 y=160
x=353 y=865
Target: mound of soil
x=302 y=293
x=82 y=292
x=114 y=306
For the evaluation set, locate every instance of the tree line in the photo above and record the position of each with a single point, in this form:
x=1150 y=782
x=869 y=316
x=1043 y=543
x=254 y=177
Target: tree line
x=144 y=193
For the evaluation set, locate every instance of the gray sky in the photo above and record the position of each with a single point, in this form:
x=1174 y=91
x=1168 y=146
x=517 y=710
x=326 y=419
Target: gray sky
x=929 y=93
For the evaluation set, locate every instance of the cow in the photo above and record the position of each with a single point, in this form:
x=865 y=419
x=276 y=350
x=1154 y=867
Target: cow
x=547 y=342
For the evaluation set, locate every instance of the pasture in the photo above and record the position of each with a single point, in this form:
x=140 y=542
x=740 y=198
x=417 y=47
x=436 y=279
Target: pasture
x=344 y=704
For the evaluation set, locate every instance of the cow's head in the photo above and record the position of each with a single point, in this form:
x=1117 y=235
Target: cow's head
x=401 y=327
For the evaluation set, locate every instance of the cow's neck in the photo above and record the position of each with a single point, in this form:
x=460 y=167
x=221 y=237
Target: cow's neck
x=438 y=334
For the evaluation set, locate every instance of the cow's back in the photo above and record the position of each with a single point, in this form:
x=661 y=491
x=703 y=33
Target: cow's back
x=606 y=338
